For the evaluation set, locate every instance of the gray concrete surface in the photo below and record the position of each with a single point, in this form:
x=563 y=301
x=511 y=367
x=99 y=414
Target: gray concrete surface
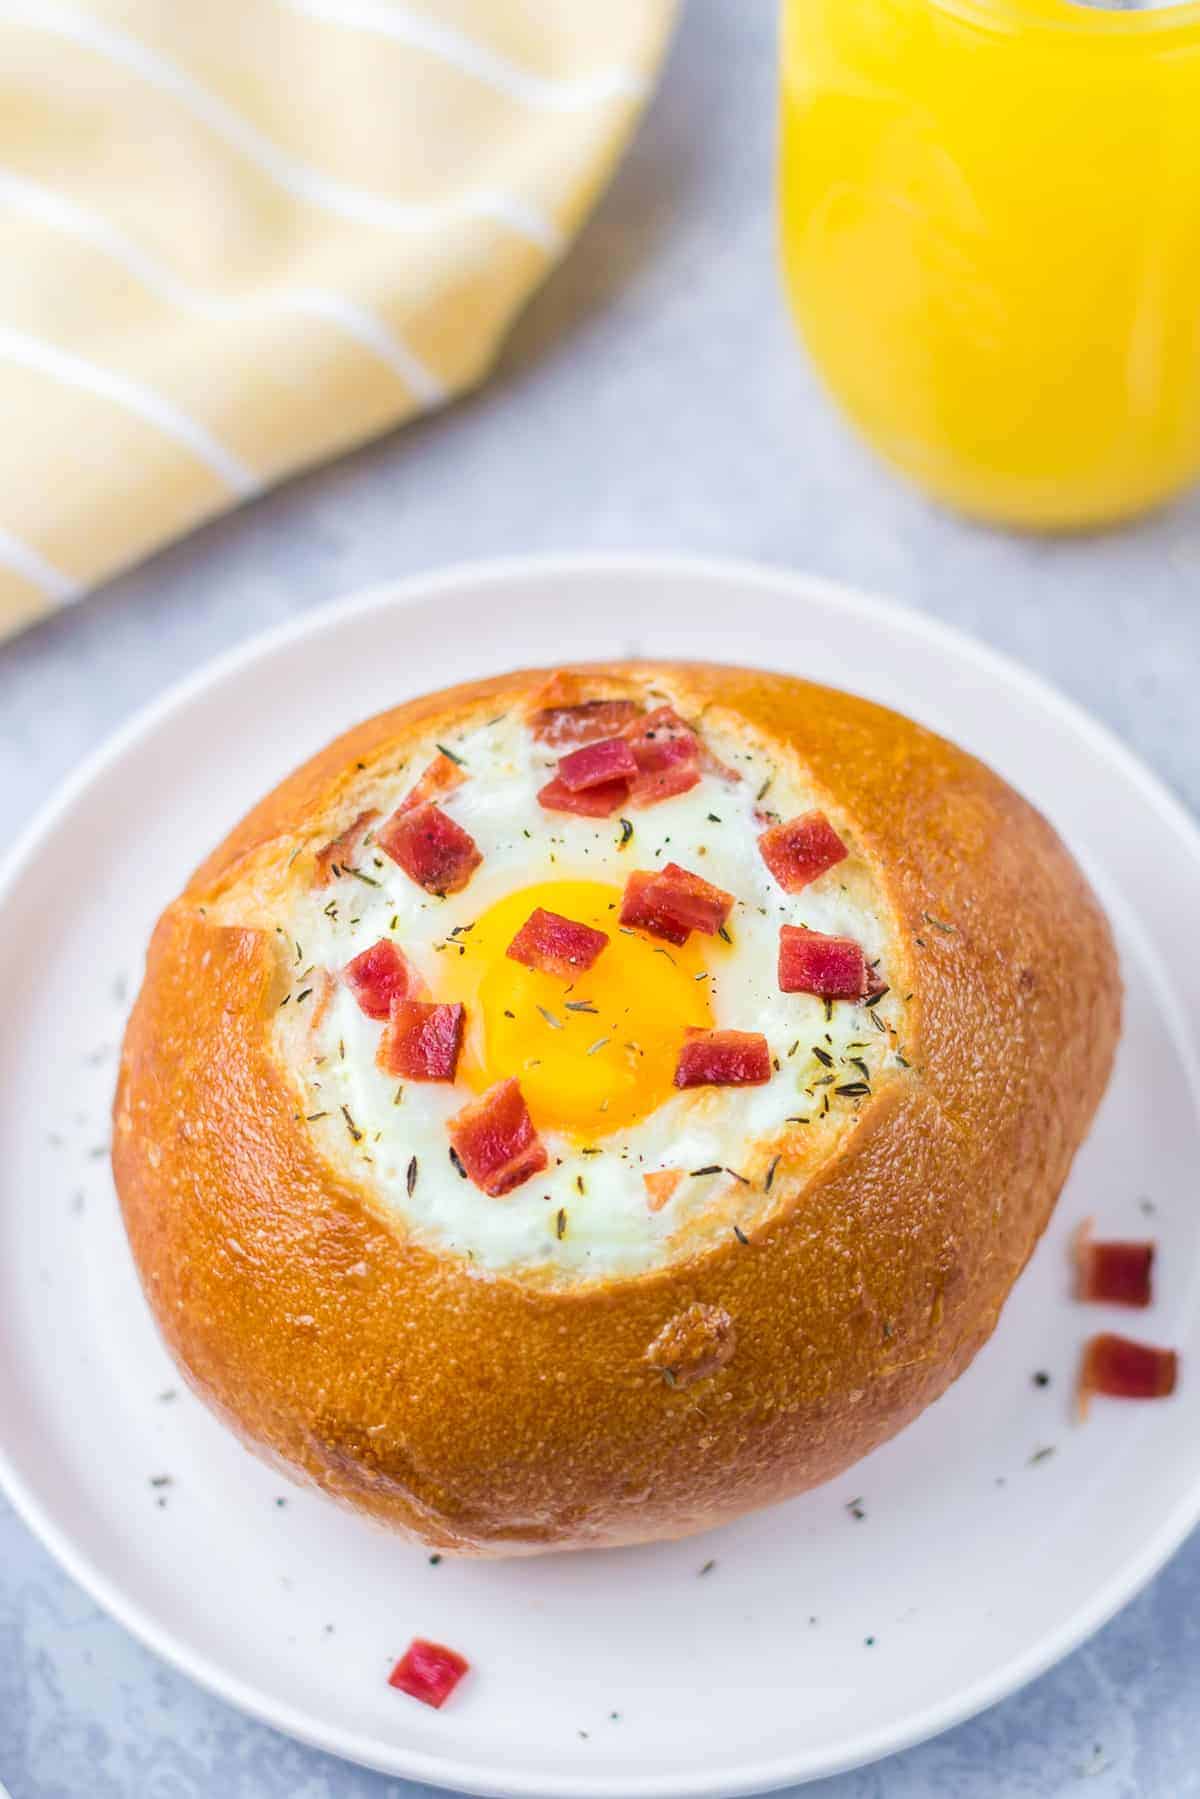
x=652 y=397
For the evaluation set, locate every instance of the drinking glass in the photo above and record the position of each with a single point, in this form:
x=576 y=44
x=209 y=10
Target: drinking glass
x=990 y=222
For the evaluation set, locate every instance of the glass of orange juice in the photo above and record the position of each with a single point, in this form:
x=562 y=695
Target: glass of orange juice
x=990 y=218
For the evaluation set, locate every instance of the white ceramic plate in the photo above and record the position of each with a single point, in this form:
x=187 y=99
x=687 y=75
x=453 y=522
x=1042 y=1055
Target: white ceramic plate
x=817 y=1639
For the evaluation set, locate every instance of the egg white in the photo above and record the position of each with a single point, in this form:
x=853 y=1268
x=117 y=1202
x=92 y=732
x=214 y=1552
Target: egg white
x=587 y=1216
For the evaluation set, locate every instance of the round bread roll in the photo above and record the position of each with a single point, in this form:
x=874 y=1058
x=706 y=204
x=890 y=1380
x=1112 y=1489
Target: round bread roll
x=576 y=1108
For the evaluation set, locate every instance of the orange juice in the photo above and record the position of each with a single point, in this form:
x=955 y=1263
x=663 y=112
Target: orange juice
x=990 y=220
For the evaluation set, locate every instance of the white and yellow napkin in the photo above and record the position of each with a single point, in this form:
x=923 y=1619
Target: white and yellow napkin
x=238 y=236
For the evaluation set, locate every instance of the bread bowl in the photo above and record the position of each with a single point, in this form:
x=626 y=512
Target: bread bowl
x=709 y=1272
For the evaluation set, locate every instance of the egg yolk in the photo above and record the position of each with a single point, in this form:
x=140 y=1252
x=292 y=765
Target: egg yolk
x=592 y=1053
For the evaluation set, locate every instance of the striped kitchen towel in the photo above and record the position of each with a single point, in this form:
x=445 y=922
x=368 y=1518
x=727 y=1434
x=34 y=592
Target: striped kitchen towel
x=243 y=235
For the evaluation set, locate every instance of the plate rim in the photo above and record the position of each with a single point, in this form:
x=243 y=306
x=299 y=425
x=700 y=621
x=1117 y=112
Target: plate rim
x=443 y=1770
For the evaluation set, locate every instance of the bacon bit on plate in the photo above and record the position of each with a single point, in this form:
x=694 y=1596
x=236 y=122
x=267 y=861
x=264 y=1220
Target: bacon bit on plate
x=610 y=759
x=1119 y=1368
x=441 y=777
x=672 y=903
x=555 y=944
x=380 y=975
x=591 y=802
x=583 y=723
x=1112 y=1273
x=344 y=848
x=799 y=850
x=428 y=1672
x=430 y=847
x=830 y=967
x=724 y=1059
x=667 y=753
x=660 y=1186
x=495 y=1141
x=421 y=1042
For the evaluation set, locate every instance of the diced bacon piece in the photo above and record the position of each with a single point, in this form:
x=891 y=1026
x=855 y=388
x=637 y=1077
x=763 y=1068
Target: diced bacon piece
x=830 y=967
x=430 y=847
x=657 y=737
x=555 y=944
x=660 y=1186
x=1112 y=1273
x=495 y=1140
x=560 y=726
x=639 y=911
x=380 y=975
x=611 y=759
x=592 y=802
x=421 y=1042
x=664 y=784
x=724 y=1059
x=1122 y=1369
x=343 y=850
x=673 y=903
x=428 y=1672
x=667 y=752
x=799 y=850
x=693 y=901
x=442 y=776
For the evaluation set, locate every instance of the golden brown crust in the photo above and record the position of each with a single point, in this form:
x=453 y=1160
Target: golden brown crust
x=489 y=1417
